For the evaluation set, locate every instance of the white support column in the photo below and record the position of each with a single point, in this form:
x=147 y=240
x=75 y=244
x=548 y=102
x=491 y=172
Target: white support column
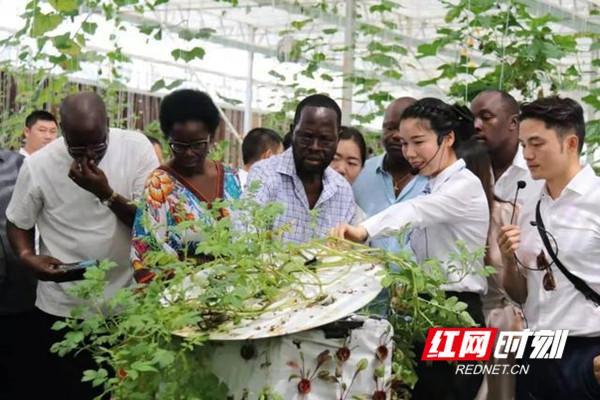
x=348 y=63
x=249 y=87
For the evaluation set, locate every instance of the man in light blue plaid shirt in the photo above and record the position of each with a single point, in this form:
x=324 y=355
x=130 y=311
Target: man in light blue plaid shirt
x=315 y=197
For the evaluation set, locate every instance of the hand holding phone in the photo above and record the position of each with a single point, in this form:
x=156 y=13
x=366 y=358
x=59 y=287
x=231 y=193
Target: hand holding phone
x=74 y=271
x=45 y=268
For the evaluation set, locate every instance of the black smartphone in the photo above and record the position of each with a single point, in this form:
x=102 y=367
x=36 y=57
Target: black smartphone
x=74 y=271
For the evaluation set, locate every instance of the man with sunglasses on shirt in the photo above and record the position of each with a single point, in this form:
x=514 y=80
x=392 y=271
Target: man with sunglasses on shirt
x=78 y=192
x=552 y=255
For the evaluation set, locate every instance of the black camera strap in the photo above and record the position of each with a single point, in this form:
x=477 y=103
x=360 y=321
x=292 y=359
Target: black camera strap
x=579 y=283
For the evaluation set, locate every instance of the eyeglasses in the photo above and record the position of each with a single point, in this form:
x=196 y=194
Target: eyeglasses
x=542 y=264
x=81 y=151
x=180 y=147
x=307 y=141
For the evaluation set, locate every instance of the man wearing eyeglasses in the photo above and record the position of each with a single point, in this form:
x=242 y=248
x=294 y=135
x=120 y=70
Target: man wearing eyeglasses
x=316 y=198
x=78 y=191
x=552 y=256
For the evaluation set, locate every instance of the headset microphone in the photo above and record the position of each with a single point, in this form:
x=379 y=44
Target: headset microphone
x=520 y=185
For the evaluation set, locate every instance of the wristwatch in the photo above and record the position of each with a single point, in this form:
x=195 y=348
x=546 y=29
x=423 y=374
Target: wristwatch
x=108 y=201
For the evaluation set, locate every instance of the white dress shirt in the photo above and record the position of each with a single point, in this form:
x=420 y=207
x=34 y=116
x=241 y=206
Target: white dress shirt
x=574 y=220
x=73 y=224
x=506 y=186
x=455 y=210
x=24 y=152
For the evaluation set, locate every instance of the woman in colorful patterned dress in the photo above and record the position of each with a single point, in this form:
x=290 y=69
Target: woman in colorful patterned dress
x=185 y=186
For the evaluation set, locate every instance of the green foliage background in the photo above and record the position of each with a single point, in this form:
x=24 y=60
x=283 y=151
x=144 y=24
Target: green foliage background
x=484 y=44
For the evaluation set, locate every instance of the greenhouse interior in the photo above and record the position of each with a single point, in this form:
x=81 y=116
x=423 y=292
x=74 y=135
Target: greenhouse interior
x=300 y=199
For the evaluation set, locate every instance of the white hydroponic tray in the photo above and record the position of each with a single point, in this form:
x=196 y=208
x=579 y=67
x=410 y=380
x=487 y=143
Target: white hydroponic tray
x=344 y=290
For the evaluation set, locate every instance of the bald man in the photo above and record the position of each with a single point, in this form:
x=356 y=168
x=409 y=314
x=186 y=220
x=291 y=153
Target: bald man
x=78 y=192
x=386 y=179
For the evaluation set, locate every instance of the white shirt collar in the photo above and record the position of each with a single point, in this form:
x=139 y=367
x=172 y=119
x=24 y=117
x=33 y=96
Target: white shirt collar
x=580 y=184
x=24 y=152
x=443 y=176
x=583 y=181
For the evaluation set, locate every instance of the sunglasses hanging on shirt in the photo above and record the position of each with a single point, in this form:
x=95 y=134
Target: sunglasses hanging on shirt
x=589 y=293
x=542 y=264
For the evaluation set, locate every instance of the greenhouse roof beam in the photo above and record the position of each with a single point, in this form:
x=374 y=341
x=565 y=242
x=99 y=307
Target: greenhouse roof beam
x=214 y=38
x=567 y=18
x=340 y=21
x=269 y=52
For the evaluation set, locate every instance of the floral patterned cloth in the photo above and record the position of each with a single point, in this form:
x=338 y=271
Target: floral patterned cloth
x=169 y=200
x=309 y=365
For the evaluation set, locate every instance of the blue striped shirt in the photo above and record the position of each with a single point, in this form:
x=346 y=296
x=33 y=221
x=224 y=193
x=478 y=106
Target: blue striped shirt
x=280 y=183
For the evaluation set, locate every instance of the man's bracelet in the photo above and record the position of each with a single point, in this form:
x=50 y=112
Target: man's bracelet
x=110 y=200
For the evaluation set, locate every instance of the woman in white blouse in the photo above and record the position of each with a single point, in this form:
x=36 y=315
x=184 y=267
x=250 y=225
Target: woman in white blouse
x=453 y=208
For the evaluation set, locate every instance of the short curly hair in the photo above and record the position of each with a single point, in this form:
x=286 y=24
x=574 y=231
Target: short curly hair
x=186 y=105
x=318 y=100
